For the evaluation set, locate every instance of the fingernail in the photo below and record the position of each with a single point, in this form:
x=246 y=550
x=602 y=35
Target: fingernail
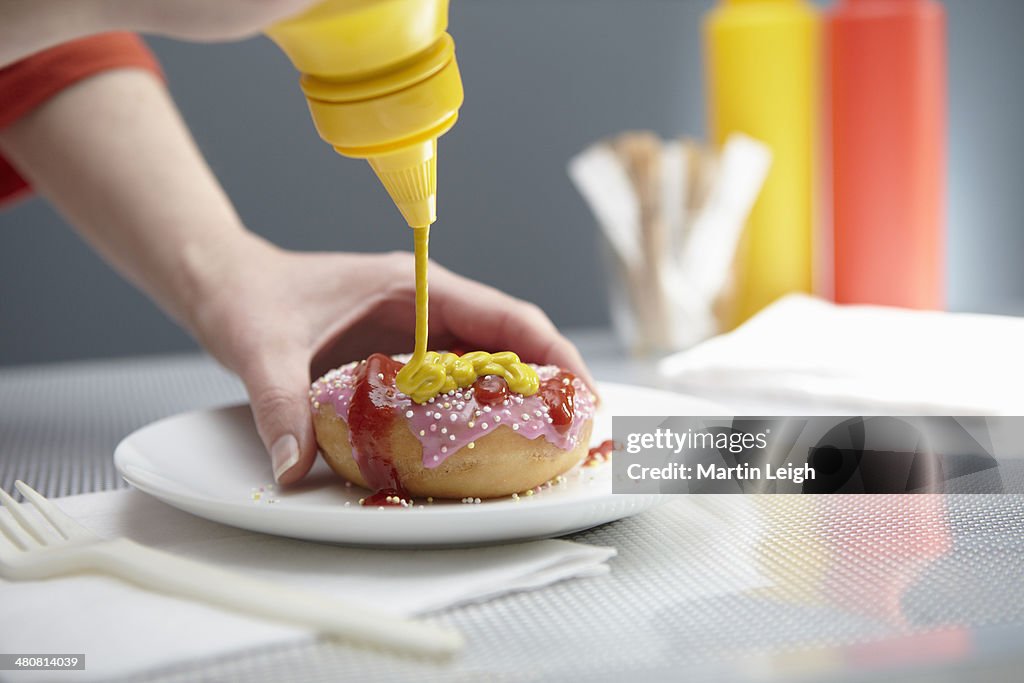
x=284 y=454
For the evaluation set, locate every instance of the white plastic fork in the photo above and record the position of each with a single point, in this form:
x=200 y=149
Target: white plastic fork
x=31 y=549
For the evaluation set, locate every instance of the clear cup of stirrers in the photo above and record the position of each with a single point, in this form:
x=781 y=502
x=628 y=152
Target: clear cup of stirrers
x=671 y=215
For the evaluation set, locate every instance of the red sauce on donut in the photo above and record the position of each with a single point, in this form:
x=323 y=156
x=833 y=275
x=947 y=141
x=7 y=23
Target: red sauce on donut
x=380 y=498
x=559 y=395
x=371 y=415
x=490 y=390
x=599 y=453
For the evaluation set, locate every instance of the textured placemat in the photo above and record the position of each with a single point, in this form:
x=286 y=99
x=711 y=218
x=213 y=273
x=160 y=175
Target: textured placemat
x=882 y=568
x=837 y=574
x=59 y=423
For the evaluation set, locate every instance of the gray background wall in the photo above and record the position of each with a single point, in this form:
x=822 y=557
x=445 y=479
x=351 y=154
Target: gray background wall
x=543 y=79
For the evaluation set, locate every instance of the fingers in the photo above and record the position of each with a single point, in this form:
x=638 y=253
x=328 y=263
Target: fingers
x=278 y=386
x=483 y=316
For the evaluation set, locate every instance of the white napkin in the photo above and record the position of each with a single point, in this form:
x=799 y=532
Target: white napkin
x=123 y=629
x=863 y=359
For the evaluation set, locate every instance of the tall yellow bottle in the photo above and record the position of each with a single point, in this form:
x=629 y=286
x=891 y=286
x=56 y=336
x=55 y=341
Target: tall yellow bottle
x=382 y=84
x=762 y=58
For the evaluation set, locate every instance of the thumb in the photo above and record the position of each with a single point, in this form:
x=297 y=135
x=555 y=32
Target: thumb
x=279 y=395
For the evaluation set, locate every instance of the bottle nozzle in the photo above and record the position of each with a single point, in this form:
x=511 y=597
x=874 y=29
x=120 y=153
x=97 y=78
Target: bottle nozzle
x=382 y=84
x=409 y=175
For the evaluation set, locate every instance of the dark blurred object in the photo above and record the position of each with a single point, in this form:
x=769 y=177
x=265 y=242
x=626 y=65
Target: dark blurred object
x=895 y=455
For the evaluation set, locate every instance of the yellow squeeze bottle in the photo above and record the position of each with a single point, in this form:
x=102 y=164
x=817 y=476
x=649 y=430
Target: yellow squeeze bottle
x=382 y=84
x=761 y=57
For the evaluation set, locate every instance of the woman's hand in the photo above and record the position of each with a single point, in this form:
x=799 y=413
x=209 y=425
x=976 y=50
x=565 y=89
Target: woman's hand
x=114 y=156
x=279 y=319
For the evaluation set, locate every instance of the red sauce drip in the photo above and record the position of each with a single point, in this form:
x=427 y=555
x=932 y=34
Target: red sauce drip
x=560 y=398
x=380 y=498
x=599 y=453
x=371 y=414
x=490 y=390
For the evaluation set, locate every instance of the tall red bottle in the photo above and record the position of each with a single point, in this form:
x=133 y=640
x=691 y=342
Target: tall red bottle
x=887 y=95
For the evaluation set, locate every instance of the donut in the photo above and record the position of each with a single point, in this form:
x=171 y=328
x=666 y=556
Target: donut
x=481 y=441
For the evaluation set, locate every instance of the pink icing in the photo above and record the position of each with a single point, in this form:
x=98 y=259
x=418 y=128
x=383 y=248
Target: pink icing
x=449 y=422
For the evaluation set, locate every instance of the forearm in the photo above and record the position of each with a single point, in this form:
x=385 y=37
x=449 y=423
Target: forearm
x=114 y=156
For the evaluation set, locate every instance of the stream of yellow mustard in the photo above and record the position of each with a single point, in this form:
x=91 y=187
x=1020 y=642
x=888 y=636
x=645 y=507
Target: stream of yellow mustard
x=429 y=373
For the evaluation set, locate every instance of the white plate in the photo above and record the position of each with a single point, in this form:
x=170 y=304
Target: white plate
x=212 y=464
